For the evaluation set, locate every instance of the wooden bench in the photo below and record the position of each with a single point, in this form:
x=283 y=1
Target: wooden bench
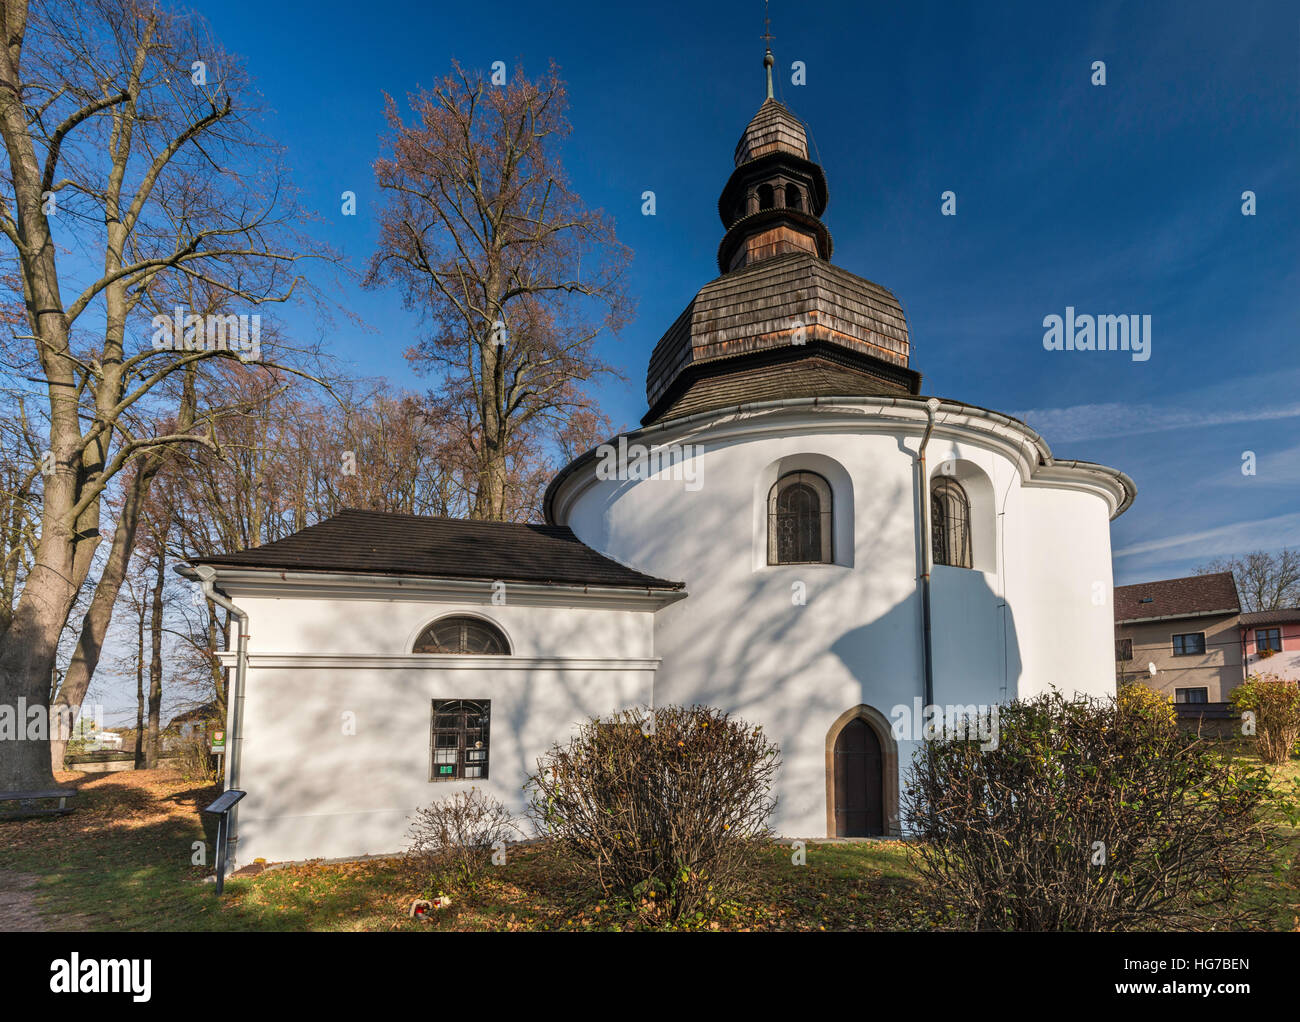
x=26 y=800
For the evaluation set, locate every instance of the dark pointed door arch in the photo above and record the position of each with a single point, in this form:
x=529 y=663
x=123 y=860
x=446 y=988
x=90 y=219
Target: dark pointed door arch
x=859 y=791
x=861 y=775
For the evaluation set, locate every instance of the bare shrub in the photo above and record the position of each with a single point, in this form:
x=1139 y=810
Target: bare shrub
x=1088 y=816
x=452 y=841
x=194 y=758
x=666 y=808
x=1275 y=702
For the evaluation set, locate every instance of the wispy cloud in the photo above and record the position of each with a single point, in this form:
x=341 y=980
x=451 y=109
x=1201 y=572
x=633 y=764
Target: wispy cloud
x=1118 y=419
x=1242 y=400
x=1280 y=530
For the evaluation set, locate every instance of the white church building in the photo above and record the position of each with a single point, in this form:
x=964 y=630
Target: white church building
x=797 y=534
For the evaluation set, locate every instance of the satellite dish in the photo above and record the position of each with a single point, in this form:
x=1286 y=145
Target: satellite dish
x=1152 y=668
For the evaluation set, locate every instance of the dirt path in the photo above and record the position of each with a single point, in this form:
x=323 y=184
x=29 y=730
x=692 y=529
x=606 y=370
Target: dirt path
x=18 y=909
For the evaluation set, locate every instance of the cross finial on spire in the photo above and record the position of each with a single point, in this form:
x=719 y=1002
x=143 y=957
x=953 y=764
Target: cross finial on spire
x=767 y=37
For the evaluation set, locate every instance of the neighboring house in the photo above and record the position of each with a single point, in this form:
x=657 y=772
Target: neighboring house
x=1270 y=640
x=771 y=564
x=184 y=726
x=1187 y=628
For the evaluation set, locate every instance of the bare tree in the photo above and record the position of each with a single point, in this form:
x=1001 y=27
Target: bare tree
x=514 y=276
x=118 y=142
x=1266 y=580
x=136 y=598
x=152 y=744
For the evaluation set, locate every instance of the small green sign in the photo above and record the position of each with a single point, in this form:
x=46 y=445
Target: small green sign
x=218 y=741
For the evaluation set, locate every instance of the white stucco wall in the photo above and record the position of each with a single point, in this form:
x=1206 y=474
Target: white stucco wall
x=1041 y=615
x=315 y=791
x=333 y=726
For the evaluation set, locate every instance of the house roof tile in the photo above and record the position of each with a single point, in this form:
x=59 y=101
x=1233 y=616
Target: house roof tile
x=1282 y=615
x=1177 y=597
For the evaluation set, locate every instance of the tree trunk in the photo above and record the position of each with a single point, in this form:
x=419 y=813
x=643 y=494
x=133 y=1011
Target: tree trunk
x=153 y=746
x=27 y=653
x=220 y=675
x=139 y=686
x=490 y=499
x=94 y=626
x=29 y=644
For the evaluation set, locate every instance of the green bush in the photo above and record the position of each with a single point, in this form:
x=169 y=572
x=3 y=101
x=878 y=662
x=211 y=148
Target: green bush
x=1143 y=700
x=1273 y=705
x=1088 y=815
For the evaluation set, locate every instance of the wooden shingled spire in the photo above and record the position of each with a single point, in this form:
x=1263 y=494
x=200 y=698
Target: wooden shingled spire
x=781 y=319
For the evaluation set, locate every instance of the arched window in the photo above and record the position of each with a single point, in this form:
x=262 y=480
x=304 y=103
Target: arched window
x=799 y=520
x=792 y=197
x=950 y=524
x=468 y=635
x=766 y=197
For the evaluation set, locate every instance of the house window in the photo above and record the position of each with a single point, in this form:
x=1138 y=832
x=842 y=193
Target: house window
x=460 y=739
x=792 y=199
x=799 y=520
x=1268 y=638
x=766 y=197
x=1123 y=649
x=466 y=635
x=950 y=524
x=1190 y=644
x=1191 y=695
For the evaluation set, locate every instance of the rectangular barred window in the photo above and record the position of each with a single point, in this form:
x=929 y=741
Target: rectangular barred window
x=459 y=739
x=1123 y=649
x=1191 y=695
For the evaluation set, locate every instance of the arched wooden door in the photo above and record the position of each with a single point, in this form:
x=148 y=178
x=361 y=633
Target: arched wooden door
x=859 y=793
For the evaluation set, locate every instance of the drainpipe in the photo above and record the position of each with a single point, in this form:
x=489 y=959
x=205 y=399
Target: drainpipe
x=207 y=576
x=927 y=648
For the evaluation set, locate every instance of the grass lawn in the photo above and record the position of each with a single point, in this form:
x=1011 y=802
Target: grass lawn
x=122 y=860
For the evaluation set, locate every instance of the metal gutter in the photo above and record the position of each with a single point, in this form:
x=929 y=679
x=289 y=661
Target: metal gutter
x=1185 y=615
x=923 y=511
x=206 y=577
x=420 y=583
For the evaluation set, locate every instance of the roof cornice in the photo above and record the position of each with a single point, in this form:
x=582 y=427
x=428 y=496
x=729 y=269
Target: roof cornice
x=1185 y=615
x=238 y=582
x=877 y=414
x=438 y=661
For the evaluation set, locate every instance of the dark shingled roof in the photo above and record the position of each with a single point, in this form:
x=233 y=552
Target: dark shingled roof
x=775 y=128
x=1283 y=615
x=1177 y=597
x=755 y=309
x=377 y=543
x=816 y=374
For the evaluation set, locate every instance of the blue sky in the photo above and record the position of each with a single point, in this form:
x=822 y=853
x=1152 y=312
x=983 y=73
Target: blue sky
x=1120 y=199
